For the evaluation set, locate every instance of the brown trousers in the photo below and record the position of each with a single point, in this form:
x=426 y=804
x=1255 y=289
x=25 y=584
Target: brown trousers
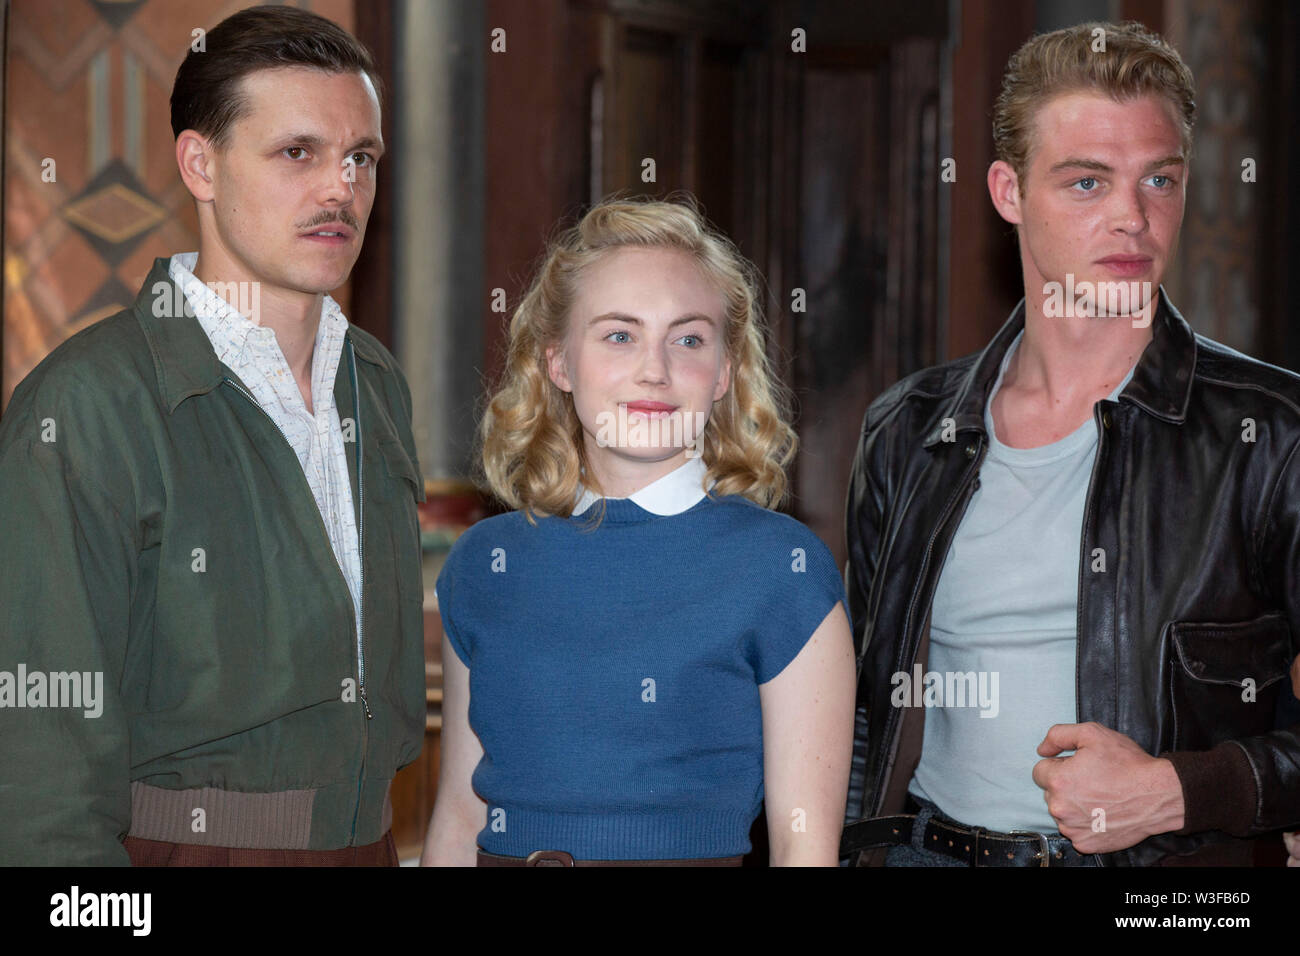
x=382 y=852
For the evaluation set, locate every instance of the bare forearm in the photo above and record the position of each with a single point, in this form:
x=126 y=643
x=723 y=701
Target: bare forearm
x=452 y=834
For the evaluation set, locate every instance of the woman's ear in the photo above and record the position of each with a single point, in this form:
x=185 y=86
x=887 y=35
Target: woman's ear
x=556 y=369
x=724 y=380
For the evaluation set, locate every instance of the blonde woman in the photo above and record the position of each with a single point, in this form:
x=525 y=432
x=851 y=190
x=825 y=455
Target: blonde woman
x=642 y=651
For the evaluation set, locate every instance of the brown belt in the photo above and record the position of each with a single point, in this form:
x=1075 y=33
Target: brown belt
x=561 y=858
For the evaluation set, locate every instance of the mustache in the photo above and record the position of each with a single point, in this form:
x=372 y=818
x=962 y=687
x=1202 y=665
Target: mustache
x=344 y=217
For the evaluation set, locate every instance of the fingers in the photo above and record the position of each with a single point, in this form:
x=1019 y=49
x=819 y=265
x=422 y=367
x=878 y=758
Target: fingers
x=1061 y=737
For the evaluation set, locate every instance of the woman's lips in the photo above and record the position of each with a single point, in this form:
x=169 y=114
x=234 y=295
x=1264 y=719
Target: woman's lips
x=652 y=409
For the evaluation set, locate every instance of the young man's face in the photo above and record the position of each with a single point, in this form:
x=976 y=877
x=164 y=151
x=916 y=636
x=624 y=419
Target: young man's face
x=1104 y=192
x=300 y=163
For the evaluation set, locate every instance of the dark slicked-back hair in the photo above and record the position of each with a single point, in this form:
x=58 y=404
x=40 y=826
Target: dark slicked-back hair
x=207 y=95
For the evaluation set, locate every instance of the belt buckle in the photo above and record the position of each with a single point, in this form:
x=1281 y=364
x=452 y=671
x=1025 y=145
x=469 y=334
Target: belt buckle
x=975 y=845
x=549 y=858
x=1044 y=849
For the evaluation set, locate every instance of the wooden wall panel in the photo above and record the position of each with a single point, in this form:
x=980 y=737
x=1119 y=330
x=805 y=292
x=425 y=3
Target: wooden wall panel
x=87 y=86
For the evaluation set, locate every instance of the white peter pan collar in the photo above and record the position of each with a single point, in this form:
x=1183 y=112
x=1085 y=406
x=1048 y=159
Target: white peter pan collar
x=679 y=490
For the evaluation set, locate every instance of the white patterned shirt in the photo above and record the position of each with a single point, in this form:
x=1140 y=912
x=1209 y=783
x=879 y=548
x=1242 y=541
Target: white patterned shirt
x=253 y=354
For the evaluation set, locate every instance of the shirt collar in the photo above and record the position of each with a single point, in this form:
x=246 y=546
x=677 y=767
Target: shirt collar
x=679 y=490
x=229 y=329
x=240 y=340
x=183 y=357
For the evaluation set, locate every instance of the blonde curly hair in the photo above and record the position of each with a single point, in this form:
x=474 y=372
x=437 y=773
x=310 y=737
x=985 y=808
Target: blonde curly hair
x=533 y=453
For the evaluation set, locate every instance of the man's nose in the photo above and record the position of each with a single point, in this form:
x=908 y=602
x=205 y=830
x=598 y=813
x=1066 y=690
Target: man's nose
x=1129 y=213
x=338 y=183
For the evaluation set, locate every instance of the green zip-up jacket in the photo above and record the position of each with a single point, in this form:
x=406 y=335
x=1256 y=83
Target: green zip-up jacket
x=161 y=544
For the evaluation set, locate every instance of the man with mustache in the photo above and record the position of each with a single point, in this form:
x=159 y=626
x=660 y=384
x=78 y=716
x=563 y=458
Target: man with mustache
x=1102 y=508
x=210 y=499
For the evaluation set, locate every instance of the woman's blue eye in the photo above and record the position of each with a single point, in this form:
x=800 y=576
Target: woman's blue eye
x=627 y=338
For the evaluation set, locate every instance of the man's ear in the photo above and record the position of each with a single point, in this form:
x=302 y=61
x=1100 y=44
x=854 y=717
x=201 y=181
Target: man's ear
x=1004 y=190
x=195 y=157
x=556 y=369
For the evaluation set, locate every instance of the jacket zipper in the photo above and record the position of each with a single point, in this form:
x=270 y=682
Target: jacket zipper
x=892 y=729
x=360 y=617
x=361 y=559
x=360 y=662
x=361 y=537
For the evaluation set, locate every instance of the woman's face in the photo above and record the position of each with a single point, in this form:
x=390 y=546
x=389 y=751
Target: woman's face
x=645 y=360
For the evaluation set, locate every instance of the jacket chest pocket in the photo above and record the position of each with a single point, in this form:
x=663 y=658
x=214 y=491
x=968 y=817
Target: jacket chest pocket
x=393 y=527
x=1224 y=679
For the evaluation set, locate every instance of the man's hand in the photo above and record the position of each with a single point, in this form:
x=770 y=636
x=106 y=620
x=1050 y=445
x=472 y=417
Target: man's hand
x=1292 y=841
x=1110 y=794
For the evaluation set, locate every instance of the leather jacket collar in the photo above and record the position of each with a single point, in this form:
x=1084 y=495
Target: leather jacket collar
x=1161 y=384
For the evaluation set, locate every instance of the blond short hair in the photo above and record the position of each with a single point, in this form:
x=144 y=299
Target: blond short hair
x=533 y=452
x=1135 y=62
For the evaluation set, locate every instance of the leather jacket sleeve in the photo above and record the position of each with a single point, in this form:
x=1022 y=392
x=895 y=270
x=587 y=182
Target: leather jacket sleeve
x=1250 y=786
x=1275 y=757
x=864 y=519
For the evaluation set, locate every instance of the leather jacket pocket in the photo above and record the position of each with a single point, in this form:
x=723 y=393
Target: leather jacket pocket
x=1224 y=679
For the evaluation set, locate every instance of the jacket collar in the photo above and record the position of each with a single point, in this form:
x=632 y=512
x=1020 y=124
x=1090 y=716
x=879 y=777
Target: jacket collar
x=182 y=355
x=1161 y=384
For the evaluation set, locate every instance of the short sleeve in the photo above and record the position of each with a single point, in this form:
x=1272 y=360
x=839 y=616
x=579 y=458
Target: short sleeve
x=800 y=585
x=445 y=591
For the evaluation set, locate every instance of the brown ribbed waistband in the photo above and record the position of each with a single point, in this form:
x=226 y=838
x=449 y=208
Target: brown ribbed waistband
x=561 y=858
x=207 y=816
x=156 y=853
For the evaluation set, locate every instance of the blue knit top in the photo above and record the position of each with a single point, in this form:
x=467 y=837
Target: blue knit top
x=614 y=672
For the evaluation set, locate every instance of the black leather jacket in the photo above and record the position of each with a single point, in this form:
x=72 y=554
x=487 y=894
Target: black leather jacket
x=1200 y=528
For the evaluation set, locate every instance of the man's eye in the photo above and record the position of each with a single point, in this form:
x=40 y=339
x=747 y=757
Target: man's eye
x=294 y=149
x=1163 y=181
x=1086 y=184
x=362 y=159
